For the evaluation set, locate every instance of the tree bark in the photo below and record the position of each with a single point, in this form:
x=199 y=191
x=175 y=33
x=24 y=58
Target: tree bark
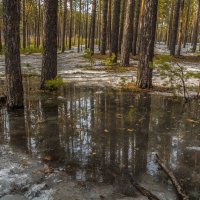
x=64 y=27
x=121 y=31
x=175 y=27
x=49 y=58
x=128 y=29
x=136 y=26
x=24 y=23
x=196 y=29
x=115 y=28
x=147 y=39
x=186 y=24
x=92 y=26
x=14 y=86
x=71 y=24
x=104 y=27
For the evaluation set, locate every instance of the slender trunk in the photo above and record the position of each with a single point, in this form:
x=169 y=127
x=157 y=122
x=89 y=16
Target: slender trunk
x=71 y=24
x=186 y=24
x=180 y=35
x=136 y=26
x=79 y=25
x=92 y=26
x=123 y=5
x=104 y=27
x=49 y=59
x=86 y=26
x=196 y=29
x=38 y=23
x=170 y=25
x=109 y=25
x=64 y=27
x=14 y=86
x=175 y=27
x=115 y=28
x=128 y=29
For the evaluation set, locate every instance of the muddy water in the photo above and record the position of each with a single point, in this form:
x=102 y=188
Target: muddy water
x=85 y=131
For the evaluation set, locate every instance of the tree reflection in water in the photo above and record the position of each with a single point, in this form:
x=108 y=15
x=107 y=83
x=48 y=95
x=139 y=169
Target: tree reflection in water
x=89 y=130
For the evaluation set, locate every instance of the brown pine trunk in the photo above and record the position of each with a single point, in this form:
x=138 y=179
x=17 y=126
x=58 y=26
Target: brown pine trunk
x=121 y=31
x=24 y=23
x=38 y=24
x=92 y=26
x=11 y=20
x=196 y=29
x=104 y=27
x=175 y=27
x=180 y=35
x=115 y=28
x=86 y=26
x=64 y=26
x=147 y=40
x=170 y=25
x=71 y=24
x=136 y=26
x=127 y=36
x=79 y=25
x=109 y=24
x=186 y=24
x=49 y=58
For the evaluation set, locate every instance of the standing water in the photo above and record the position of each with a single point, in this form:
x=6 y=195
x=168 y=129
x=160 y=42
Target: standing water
x=85 y=131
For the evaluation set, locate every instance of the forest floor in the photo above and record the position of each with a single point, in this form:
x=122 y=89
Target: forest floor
x=73 y=67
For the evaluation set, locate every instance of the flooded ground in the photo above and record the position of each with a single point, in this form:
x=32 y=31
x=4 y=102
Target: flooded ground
x=73 y=144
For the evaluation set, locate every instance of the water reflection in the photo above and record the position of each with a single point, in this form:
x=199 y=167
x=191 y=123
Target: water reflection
x=85 y=130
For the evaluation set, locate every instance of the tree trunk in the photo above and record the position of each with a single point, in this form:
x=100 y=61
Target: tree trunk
x=92 y=26
x=71 y=24
x=170 y=25
x=49 y=59
x=38 y=24
x=136 y=26
x=109 y=25
x=104 y=27
x=14 y=86
x=186 y=24
x=148 y=21
x=64 y=26
x=196 y=29
x=79 y=25
x=128 y=29
x=180 y=35
x=86 y=26
x=175 y=27
x=121 y=31
x=115 y=28
x=24 y=23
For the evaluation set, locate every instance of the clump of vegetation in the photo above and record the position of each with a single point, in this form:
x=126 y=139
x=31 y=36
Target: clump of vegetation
x=110 y=61
x=54 y=84
x=176 y=75
x=89 y=56
x=30 y=50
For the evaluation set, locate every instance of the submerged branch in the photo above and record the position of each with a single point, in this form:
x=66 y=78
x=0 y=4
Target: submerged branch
x=181 y=193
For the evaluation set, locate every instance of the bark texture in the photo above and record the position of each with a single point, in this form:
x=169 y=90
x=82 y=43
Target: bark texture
x=104 y=27
x=49 y=58
x=115 y=28
x=148 y=21
x=127 y=36
x=92 y=26
x=175 y=27
x=14 y=86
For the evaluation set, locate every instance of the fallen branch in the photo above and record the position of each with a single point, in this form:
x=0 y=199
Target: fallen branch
x=143 y=191
x=181 y=193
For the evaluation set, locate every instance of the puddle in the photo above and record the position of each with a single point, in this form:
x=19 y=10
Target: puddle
x=81 y=132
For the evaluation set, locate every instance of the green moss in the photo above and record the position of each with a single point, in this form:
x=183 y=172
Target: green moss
x=54 y=84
